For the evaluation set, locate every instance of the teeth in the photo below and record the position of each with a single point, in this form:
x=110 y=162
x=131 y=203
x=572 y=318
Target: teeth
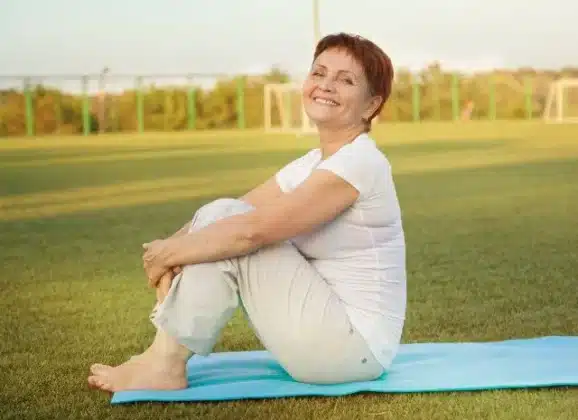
x=326 y=101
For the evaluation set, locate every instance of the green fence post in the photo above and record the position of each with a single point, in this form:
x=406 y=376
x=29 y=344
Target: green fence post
x=415 y=91
x=492 y=98
x=191 y=107
x=241 y=123
x=455 y=97
x=139 y=105
x=528 y=95
x=29 y=107
x=85 y=107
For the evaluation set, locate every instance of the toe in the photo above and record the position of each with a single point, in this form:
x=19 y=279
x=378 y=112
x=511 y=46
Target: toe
x=98 y=382
x=97 y=368
x=93 y=382
x=106 y=387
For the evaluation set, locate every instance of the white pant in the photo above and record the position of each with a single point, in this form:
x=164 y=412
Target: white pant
x=293 y=310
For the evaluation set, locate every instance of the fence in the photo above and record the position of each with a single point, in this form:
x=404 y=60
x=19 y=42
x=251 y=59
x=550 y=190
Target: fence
x=465 y=98
x=116 y=103
x=87 y=104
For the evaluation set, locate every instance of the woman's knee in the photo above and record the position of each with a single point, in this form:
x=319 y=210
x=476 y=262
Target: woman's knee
x=220 y=209
x=226 y=206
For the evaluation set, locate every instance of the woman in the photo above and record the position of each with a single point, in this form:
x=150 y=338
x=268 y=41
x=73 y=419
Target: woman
x=315 y=255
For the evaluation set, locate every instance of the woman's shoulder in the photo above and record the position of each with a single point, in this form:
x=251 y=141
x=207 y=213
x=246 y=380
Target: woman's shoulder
x=305 y=158
x=364 y=151
x=361 y=163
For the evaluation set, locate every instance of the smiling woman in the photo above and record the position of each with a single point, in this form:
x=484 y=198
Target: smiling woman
x=362 y=69
x=315 y=255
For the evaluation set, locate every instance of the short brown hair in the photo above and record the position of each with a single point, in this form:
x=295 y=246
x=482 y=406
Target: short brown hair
x=374 y=61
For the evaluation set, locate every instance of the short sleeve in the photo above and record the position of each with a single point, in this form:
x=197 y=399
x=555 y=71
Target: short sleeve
x=355 y=164
x=283 y=176
x=289 y=176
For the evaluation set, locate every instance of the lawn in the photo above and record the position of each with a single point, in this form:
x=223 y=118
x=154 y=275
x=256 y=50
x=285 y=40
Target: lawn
x=490 y=212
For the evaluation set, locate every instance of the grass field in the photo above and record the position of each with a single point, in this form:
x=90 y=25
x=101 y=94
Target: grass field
x=490 y=212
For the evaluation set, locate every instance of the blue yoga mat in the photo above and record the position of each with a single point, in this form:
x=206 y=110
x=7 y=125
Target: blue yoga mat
x=428 y=367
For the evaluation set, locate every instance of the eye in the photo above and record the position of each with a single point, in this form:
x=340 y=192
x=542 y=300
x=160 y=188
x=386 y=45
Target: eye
x=347 y=80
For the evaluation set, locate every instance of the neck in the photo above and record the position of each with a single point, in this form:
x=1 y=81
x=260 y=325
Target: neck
x=331 y=140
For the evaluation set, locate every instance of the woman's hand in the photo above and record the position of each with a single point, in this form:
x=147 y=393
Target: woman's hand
x=153 y=261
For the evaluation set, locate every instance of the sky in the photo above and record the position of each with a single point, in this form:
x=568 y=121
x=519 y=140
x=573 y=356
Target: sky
x=251 y=36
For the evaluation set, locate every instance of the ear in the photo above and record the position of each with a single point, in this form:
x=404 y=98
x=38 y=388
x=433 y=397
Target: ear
x=372 y=106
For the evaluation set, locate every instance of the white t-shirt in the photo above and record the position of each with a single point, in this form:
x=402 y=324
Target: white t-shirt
x=361 y=253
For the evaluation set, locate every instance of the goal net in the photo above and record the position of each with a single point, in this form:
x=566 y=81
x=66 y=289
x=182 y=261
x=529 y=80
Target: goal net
x=284 y=110
x=562 y=101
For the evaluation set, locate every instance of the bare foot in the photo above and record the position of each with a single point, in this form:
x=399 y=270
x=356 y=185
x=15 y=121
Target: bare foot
x=140 y=372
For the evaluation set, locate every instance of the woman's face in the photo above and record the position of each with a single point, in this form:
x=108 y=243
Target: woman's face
x=336 y=92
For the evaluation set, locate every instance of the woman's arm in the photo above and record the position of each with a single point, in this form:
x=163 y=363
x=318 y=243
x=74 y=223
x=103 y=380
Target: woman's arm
x=318 y=200
x=258 y=196
x=263 y=193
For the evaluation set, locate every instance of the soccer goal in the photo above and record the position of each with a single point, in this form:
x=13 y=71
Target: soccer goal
x=284 y=111
x=562 y=101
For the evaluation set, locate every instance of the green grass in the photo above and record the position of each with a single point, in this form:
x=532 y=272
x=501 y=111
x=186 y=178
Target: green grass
x=490 y=216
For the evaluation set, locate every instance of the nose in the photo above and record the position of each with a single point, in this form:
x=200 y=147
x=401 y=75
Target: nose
x=326 y=84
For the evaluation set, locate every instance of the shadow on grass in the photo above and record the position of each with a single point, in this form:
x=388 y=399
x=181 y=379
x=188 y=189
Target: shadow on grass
x=211 y=175
x=430 y=147
x=459 y=182
x=59 y=177
x=45 y=155
x=40 y=157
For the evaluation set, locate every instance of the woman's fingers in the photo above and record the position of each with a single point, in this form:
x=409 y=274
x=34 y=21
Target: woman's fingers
x=154 y=273
x=151 y=278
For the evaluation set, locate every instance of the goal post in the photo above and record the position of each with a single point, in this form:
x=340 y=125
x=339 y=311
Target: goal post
x=562 y=101
x=284 y=110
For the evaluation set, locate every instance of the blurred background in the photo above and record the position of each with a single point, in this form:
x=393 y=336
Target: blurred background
x=82 y=67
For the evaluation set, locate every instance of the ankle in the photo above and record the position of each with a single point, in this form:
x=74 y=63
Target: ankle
x=167 y=347
x=159 y=357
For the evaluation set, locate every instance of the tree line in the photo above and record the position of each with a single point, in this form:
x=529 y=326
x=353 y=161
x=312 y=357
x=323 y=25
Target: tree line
x=430 y=94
